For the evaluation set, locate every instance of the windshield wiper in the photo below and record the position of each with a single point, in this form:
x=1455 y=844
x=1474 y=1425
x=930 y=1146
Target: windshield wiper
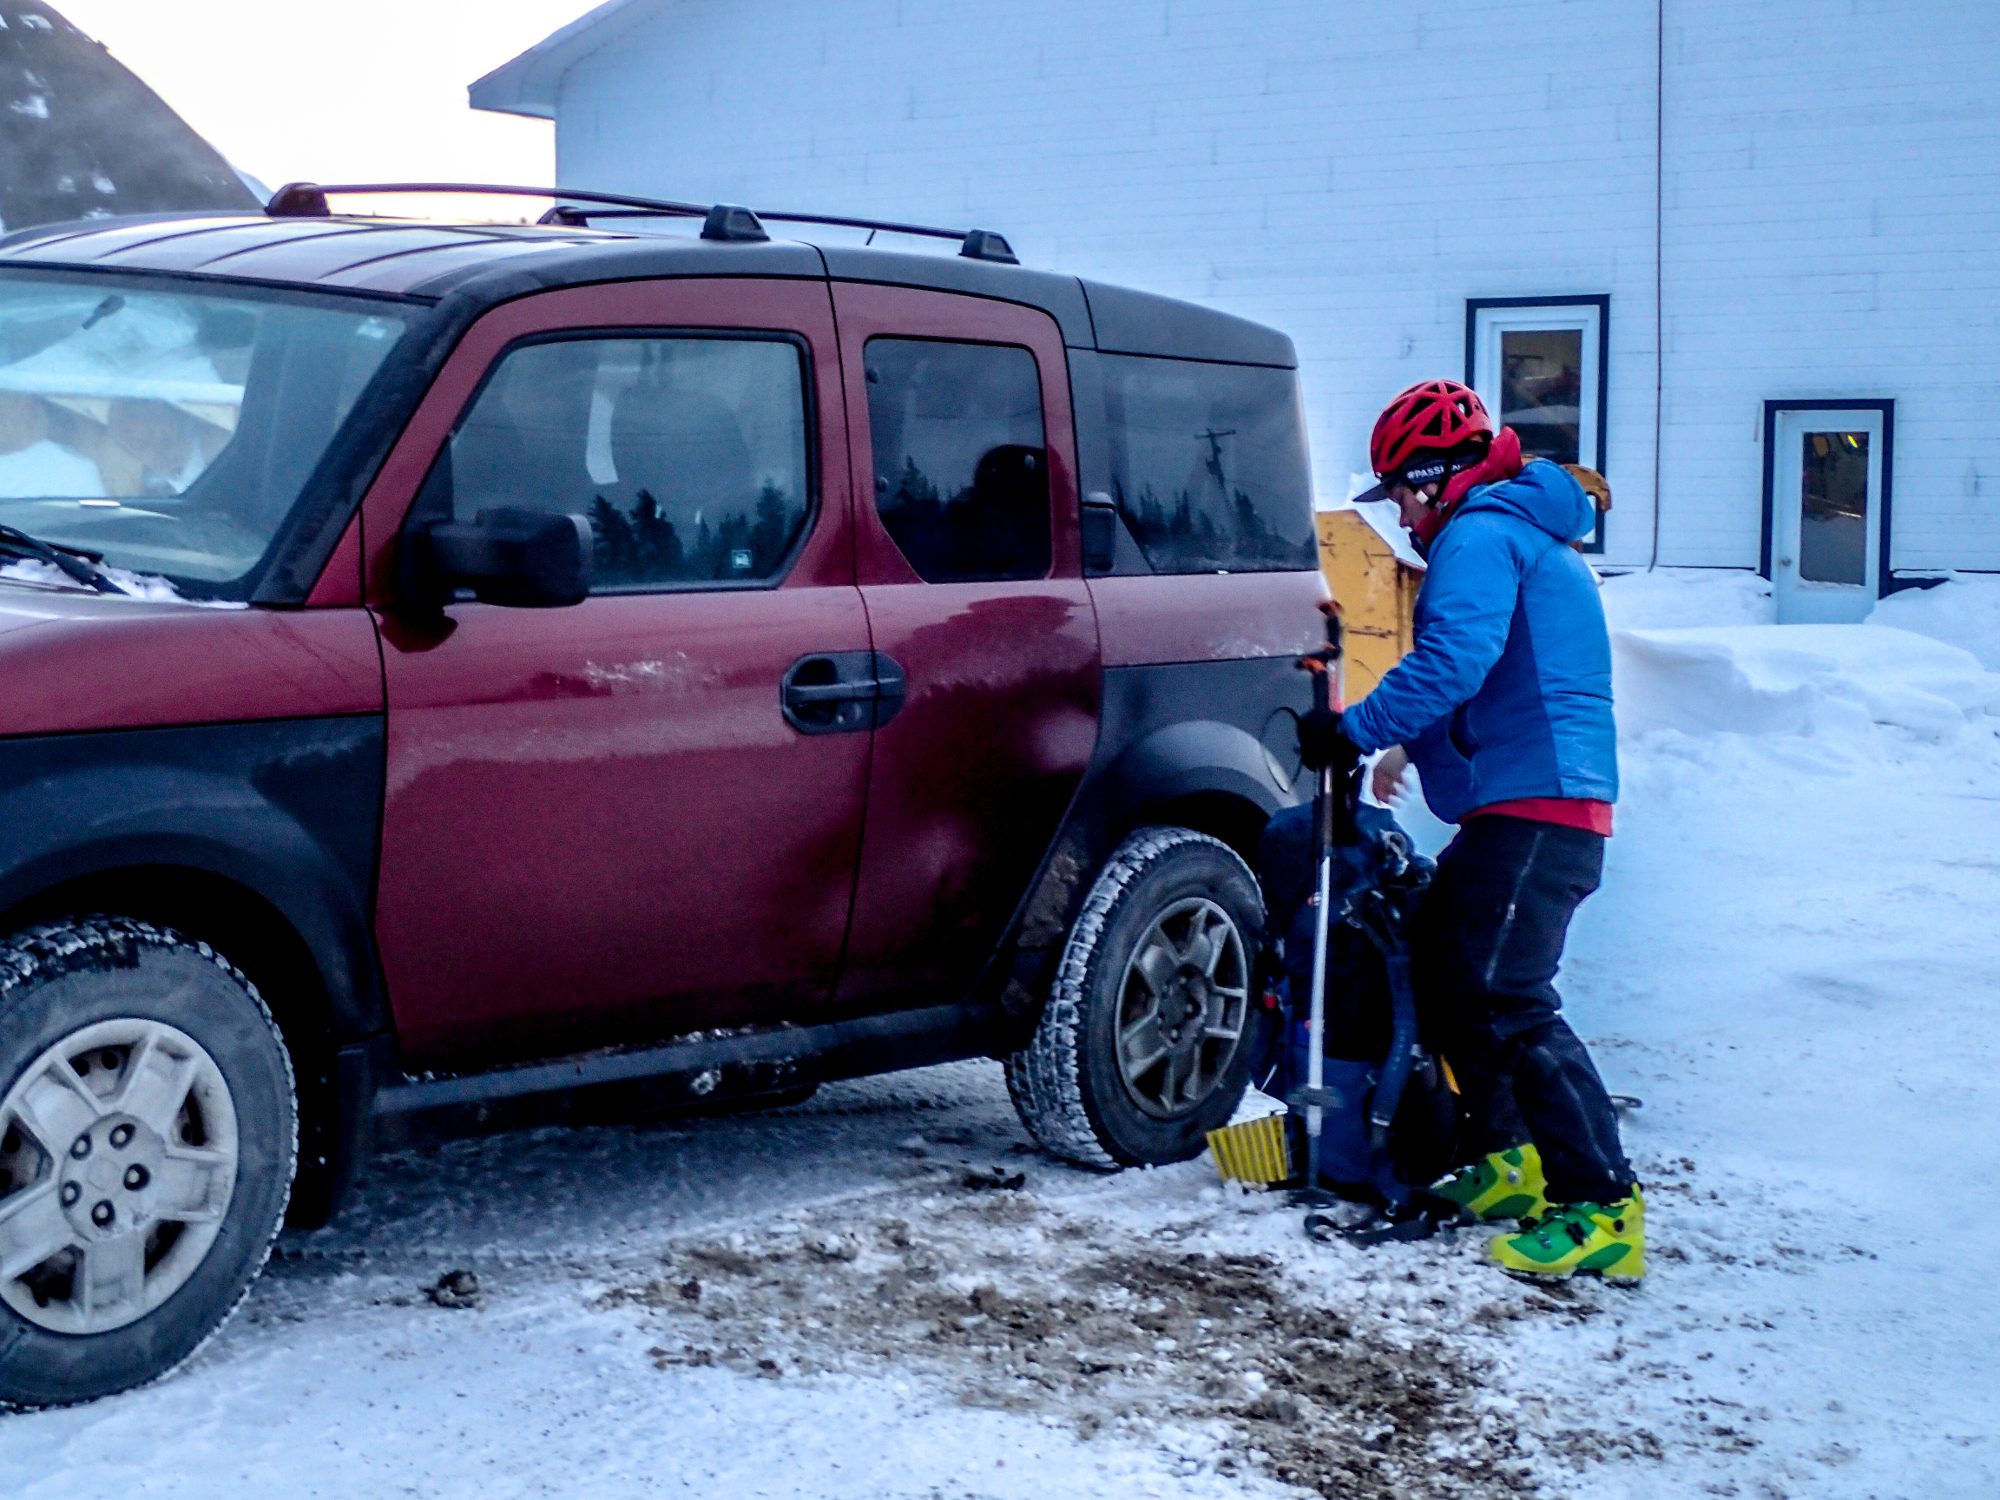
x=102 y=311
x=74 y=561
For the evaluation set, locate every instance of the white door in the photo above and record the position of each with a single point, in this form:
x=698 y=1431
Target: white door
x=1826 y=514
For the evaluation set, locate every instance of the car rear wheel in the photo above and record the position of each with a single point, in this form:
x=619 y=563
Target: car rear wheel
x=148 y=1135
x=1148 y=1036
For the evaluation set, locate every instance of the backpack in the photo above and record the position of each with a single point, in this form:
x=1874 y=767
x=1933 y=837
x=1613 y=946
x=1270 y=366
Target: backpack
x=1377 y=884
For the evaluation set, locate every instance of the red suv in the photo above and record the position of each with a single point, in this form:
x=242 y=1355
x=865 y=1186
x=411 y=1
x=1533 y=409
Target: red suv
x=447 y=662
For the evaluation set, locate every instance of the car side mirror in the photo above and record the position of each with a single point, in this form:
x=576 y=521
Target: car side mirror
x=1100 y=532
x=534 y=559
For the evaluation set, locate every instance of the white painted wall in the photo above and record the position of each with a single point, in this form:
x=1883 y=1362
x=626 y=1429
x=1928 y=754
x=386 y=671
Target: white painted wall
x=1833 y=229
x=1352 y=172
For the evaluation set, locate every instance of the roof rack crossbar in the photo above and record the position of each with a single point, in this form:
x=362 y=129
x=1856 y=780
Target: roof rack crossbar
x=308 y=200
x=881 y=226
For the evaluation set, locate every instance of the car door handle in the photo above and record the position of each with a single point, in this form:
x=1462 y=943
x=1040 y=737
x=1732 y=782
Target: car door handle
x=841 y=692
x=798 y=694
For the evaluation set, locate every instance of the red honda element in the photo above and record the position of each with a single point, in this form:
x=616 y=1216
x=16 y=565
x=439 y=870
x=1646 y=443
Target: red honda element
x=447 y=663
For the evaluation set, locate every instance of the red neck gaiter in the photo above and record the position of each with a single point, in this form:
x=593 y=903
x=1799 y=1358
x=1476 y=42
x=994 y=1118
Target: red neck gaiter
x=1503 y=461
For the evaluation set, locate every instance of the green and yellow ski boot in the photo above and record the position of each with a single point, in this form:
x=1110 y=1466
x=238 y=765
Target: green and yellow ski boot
x=1500 y=1185
x=1603 y=1239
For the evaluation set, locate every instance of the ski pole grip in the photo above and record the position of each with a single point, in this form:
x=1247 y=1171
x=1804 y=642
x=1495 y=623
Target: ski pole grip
x=1327 y=692
x=1331 y=610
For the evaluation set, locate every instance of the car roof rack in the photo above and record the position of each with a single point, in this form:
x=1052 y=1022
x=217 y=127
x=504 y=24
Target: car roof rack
x=721 y=221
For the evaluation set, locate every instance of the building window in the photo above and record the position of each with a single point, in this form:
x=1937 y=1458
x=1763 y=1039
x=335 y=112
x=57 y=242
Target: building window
x=1539 y=365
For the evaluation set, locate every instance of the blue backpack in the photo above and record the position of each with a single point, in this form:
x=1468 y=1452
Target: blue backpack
x=1394 y=1117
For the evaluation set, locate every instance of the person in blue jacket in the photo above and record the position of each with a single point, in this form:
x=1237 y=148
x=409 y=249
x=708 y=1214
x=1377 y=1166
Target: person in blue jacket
x=1504 y=707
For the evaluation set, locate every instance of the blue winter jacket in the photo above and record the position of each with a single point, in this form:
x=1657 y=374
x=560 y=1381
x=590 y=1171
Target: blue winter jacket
x=1508 y=691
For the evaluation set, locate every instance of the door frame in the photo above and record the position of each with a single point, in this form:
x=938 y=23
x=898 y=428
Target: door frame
x=1590 y=314
x=623 y=309
x=865 y=310
x=1886 y=406
x=914 y=932
x=796 y=311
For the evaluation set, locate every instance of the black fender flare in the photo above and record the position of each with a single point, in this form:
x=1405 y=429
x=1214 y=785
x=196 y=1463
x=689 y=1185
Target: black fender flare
x=295 y=879
x=1191 y=758
x=1176 y=765
x=289 y=811
x=1152 y=762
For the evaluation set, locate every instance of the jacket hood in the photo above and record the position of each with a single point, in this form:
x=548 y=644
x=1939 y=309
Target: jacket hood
x=1544 y=496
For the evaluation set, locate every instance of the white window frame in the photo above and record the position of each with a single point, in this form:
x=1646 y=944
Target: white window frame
x=1487 y=318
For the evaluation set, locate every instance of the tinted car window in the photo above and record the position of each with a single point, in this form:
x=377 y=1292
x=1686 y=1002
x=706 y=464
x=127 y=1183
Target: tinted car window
x=688 y=455
x=1208 y=464
x=173 y=432
x=961 y=473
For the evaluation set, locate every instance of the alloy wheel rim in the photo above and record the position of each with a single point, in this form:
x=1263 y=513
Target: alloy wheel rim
x=118 y=1157
x=1182 y=1007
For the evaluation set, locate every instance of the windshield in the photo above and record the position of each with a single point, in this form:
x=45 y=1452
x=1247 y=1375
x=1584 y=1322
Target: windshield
x=172 y=431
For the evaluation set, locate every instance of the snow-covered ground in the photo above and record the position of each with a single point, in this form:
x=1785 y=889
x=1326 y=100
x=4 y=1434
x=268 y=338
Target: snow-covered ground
x=1793 y=961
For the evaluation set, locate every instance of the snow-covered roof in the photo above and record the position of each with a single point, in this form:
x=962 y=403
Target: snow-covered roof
x=528 y=85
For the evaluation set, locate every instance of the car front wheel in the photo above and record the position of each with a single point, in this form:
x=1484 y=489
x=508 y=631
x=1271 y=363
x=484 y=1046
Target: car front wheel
x=1149 y=1033
x=148 y=1134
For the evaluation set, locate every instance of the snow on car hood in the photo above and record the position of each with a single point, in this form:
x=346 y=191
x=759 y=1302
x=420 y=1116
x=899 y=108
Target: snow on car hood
x=149 y=587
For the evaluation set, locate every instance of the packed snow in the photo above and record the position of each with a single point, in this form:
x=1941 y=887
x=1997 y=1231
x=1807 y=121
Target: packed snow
x=886 y=1292
x=1963 y=609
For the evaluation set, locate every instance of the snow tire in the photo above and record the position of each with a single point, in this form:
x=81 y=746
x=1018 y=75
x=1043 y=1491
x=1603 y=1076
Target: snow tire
x=215 y=1055
x=1067 y=1082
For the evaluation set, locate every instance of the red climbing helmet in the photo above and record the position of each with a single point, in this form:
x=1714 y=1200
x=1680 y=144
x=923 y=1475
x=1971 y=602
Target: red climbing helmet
x=1431 y=416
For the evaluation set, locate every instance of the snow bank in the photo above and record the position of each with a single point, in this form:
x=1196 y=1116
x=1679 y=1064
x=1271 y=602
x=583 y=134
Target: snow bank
x=1687 y=596
x=1964 y=610
x=1826 y=681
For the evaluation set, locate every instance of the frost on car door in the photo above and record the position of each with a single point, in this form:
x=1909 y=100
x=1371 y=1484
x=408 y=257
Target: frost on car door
x=601 y=823
x=966 y=538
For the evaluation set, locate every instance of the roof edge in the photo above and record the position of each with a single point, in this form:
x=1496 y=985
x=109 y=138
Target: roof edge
x=529 y=84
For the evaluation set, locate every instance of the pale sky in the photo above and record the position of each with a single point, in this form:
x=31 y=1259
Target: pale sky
x=360 y=91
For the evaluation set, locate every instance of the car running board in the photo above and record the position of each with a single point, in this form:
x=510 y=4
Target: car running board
x=799 y=1054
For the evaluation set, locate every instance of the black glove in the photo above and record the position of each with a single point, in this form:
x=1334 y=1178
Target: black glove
x=1321 y=743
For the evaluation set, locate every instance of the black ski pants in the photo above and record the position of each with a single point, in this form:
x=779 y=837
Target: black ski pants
x=1485 y=949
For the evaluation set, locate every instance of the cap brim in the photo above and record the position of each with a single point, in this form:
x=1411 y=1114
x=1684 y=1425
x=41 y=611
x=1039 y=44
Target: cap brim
x=1379 y=492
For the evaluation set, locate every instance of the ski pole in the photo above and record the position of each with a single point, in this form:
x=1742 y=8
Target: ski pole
x=1325 y=666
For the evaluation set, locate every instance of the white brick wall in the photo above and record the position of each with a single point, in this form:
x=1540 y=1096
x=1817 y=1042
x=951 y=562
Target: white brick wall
x=1353 y=172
